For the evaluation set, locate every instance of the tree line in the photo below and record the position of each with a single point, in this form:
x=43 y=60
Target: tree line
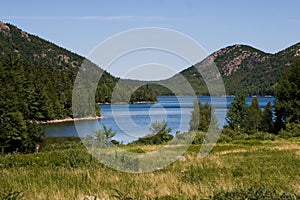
x=283 y=119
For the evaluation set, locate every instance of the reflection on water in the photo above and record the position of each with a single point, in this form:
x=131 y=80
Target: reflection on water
x=131 y=121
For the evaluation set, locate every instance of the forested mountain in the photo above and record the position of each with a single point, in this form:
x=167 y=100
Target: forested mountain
x=244 y=70
x=37 y=79
x=45 y=75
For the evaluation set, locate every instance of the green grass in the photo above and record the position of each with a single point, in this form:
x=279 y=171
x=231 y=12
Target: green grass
x=231 y=171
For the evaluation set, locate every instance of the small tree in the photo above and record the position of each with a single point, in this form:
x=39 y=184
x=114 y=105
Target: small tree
x=253 y=117
x=104 y=136
x=202 y=117
x=237 y=112
x=159 y=134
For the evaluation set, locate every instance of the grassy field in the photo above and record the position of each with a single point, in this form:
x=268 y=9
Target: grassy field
x=67 y=171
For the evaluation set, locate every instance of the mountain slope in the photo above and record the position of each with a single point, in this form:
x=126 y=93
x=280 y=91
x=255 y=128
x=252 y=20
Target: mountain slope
x=243 y=69
x=45 y=74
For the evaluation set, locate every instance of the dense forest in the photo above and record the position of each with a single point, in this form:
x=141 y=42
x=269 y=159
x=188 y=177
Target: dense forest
x=49 y=73
x=37 y=79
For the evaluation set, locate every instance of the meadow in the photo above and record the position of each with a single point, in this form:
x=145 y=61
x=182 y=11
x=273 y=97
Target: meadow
x=236 y=170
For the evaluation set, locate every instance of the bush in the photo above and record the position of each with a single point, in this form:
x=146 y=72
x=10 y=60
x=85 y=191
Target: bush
x=160 y=134
x=229 y=135
x=261 y=136
x=199 y=138
x=292 y=130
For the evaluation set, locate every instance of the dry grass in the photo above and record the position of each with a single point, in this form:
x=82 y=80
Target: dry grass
x=274 y=165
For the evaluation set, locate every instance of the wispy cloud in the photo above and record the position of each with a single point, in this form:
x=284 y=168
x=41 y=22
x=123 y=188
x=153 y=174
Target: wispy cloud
x=296 y=21
x=88 y=18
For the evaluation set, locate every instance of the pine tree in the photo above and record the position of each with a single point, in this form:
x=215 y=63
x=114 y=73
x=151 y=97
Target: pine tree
x=17 y=131
x=237 y=112
x=203 y=117
x=104 y=136
x=267 y=124
x=253 y=117
x=287 y=105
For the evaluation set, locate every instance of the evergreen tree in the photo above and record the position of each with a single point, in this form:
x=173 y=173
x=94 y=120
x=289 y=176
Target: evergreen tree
x=267 y=119
x=17 y=131
x=202 y=117
x=104 y=136
x=253 y=117
x=159 y=134
x=287 y=105
x=237 y=112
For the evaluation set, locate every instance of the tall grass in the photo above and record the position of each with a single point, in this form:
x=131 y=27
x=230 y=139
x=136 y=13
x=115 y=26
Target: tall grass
x=72 y=173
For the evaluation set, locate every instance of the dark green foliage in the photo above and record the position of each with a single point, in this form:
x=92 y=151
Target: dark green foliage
x=248 y=119
x=260 y=193
x=237 y=112
x=291 y=130
x=18 y=131
x=229 y=135
x=199 y=137
x=143 y=94
x=253 y=118
x=267 y=124
x=160 y=134
x=203 y=117
x=287 y=106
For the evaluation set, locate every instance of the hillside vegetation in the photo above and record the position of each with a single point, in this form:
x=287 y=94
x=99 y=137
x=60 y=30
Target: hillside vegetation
x=244 y=70
x=48 y=72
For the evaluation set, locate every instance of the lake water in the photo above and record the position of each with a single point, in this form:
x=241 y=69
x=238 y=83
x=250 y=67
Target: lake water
x=131 y=121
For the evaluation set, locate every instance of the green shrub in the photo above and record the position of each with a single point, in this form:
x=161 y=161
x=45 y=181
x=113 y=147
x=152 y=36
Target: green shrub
x=136 y=150
x=292 y=130
x=229 y=135
x=199 y=137
x=261 y=136
x=160 y=134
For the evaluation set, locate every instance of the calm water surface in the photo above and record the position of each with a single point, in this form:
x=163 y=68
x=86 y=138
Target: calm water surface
x=131 y=121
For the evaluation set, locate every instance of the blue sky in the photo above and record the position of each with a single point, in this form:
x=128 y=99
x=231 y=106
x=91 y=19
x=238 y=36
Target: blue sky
x=79 y=26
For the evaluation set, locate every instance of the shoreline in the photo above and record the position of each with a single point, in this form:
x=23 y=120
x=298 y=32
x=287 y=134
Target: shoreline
x=69 y=120
x=137 y=102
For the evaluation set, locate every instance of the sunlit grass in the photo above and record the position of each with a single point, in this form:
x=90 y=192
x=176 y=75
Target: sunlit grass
x=74 y=174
